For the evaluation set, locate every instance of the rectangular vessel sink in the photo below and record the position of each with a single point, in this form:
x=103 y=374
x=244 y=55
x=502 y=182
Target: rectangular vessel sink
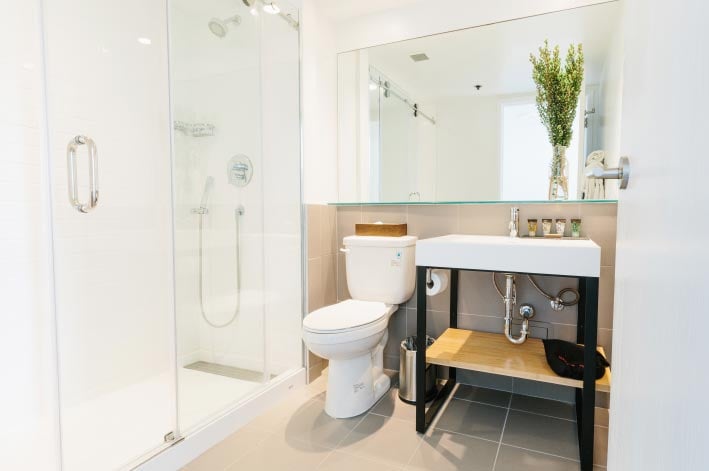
x=578 y=257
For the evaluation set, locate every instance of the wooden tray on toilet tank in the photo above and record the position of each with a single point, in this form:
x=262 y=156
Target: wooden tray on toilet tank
x=382 y=230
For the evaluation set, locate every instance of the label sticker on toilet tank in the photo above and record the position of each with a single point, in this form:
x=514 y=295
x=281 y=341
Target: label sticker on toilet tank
x=396 y=260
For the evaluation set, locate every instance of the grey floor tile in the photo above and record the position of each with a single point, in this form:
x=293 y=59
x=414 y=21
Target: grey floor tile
x=537 y=405
x=278 y=453
x=310 y=423
x=338 y=461
x=445 y=451
x=485 y=395
x=545 y=434
x=472 y=418
x=391 y=406
x=385 y=439
x=515 y=459
x=226 y=452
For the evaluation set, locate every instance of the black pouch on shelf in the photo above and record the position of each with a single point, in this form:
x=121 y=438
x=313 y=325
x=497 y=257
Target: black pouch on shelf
x=566 y=359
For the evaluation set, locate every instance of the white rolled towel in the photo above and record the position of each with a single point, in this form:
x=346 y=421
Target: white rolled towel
x=594 y=188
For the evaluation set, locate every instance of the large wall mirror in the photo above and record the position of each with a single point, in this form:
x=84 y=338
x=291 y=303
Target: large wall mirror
x=453 y=117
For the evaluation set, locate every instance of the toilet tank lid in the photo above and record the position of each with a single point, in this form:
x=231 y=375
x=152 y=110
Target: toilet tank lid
x=380 y=241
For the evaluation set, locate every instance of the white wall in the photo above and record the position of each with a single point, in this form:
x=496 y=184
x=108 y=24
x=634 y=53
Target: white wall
x=610 y=106
x=319 y=104
x=659 y=412
x=424 y=18
x=28 y=407
x=468 y=149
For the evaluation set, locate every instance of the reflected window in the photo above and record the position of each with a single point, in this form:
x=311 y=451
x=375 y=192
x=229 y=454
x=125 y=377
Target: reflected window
x=526 y=152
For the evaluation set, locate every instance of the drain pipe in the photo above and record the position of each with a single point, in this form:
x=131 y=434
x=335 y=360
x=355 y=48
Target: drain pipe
x=510 y=299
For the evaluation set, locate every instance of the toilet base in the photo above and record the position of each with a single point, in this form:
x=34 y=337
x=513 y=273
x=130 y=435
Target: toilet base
x=354 y=385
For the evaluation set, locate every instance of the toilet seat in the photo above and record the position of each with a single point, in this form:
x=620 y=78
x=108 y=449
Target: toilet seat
x=346 y=316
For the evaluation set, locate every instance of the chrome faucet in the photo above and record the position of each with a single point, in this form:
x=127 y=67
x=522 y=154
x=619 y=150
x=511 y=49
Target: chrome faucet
x=514 y=222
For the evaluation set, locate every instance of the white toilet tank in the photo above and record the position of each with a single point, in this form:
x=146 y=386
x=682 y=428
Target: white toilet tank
x=381 y=268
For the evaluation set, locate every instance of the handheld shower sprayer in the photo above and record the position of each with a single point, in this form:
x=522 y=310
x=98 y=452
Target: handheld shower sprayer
x=208 y=187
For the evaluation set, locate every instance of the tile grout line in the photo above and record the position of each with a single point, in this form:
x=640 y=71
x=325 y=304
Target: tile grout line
x=544 y=453
x=466 y=435
x=499 y=445
x=364 y=415
x=521 y=410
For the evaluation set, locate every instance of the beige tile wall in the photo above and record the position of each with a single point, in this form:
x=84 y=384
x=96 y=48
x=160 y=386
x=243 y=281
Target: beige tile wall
x=322 y=267
x=480 y=307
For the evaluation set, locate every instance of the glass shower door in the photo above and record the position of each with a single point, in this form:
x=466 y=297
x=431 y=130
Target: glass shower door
x=215 y=76
x=109 y=144
x=236 y=150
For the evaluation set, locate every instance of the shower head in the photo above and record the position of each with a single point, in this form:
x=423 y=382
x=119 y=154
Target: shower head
x=220 y=28
x=208 y=187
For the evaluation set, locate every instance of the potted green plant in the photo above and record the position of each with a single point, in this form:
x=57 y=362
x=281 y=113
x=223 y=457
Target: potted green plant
x=558 y=91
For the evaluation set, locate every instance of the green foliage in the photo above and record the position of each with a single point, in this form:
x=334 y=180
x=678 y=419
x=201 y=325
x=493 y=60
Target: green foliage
x=558 y=90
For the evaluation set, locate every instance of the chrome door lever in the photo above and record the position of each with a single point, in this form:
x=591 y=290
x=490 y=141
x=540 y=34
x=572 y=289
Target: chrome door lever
x=622 y=173
x=73 y=186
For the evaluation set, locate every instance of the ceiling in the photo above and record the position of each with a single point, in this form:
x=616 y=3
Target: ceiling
x=496 y=56
x=339 y=10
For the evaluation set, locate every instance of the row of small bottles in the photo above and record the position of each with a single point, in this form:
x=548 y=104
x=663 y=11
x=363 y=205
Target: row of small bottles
x=553 y=228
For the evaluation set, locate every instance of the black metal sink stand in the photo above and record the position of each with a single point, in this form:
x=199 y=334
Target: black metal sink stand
x=586 y=333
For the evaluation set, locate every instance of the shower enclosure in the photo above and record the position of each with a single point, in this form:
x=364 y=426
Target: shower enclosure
x=173 y=133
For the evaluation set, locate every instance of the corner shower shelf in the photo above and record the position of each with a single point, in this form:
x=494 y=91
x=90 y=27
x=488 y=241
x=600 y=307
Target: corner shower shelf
x=493 y=353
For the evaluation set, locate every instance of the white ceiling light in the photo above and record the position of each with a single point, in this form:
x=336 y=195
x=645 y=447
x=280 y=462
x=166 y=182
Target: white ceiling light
x=271 y=8
x=145 y=41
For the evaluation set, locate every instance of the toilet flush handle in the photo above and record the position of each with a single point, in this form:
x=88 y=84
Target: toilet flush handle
x=344 y=250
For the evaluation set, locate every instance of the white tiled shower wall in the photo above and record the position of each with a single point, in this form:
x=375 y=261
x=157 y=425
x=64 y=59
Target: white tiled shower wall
x=27 y=399
x=479 y=305
x=246 y=84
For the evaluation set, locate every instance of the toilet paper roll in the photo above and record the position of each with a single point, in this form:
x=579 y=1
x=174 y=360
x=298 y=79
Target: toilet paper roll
x=439 y=278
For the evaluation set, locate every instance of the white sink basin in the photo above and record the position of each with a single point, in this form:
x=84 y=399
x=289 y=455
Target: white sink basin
x=577 y=257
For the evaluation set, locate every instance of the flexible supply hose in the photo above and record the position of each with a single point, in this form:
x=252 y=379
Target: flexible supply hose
x=557 y=299
x=237 y=215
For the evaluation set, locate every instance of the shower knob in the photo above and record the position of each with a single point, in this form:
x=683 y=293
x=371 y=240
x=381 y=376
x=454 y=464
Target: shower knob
x=239 y=170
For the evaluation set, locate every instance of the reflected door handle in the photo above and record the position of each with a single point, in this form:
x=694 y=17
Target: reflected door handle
x=73 y=185
x=622 y=173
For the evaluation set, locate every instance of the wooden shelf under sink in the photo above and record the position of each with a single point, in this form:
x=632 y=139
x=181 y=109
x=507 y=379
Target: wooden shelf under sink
x=493 y=353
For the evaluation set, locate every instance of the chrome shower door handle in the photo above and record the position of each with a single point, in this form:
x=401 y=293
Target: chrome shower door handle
x=73 y=186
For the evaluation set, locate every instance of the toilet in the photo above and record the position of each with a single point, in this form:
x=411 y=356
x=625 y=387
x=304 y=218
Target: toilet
x=352 y=334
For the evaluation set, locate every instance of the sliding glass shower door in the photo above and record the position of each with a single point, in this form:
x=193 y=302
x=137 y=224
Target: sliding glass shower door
x=109 y=145
x=174 y=142
x=235 y=99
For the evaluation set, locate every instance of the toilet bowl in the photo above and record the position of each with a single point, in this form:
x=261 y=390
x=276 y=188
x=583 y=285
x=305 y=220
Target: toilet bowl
x=352 y=334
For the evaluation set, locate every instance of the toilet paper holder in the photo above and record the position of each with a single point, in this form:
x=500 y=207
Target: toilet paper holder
x=436 y=281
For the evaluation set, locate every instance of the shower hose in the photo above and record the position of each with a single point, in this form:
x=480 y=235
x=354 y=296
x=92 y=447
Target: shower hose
x=237 y=215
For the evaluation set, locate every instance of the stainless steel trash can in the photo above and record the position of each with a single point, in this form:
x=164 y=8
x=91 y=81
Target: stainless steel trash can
x=407 y=371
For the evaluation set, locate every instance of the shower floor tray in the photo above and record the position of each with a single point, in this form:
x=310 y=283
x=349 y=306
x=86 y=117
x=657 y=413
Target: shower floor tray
x=225 y=370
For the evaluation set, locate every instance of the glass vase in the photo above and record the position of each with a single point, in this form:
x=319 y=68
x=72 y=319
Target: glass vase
x=558 y=178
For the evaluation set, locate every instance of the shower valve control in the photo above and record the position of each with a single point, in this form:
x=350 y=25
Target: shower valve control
x=239 y=170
